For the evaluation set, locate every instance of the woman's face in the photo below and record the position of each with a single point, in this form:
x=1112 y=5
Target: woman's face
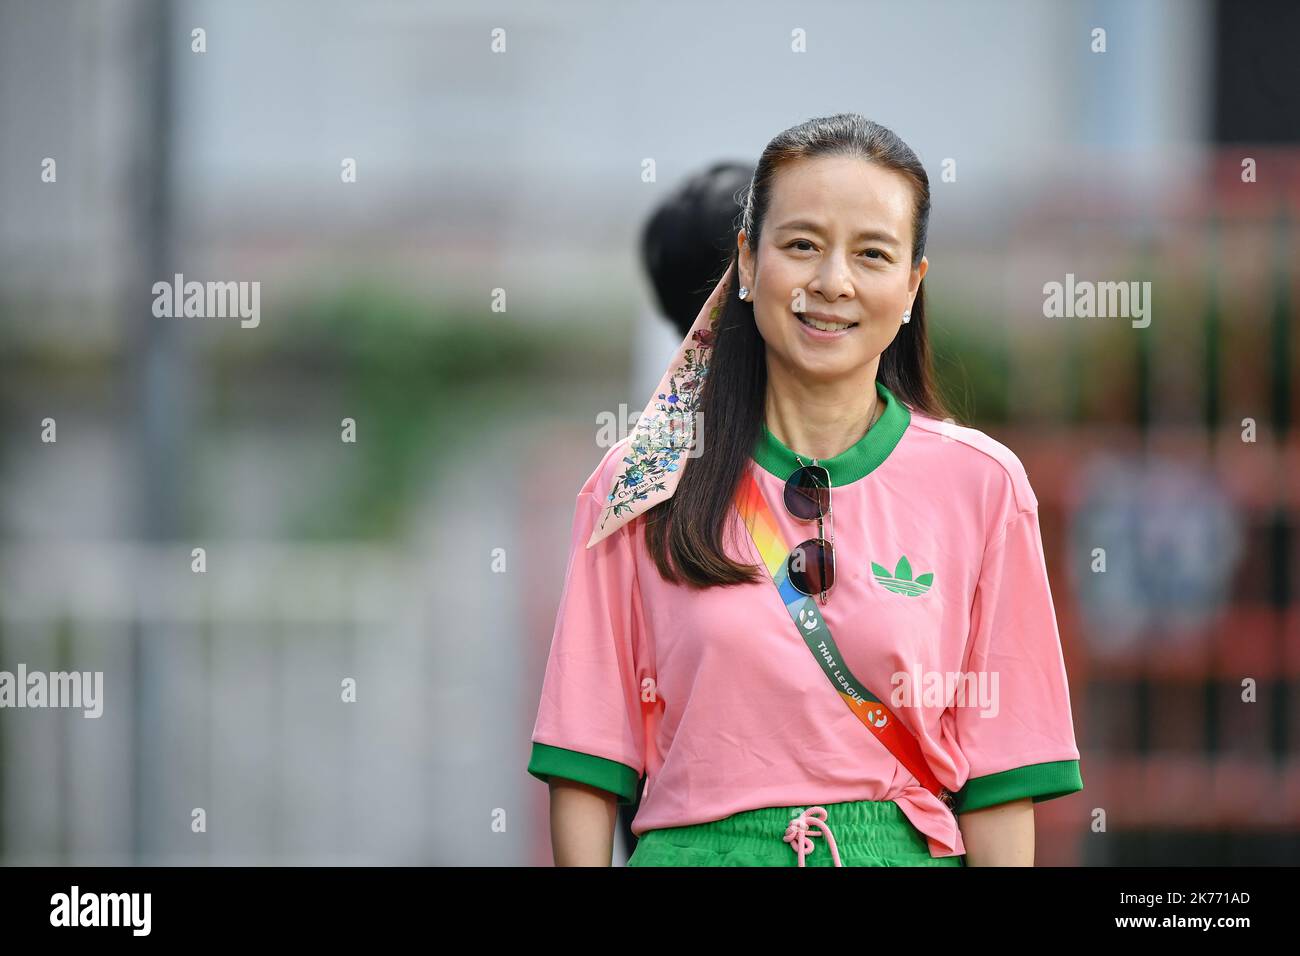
x=836 y=244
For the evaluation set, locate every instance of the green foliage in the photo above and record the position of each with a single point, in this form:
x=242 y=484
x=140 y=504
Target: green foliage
x=416 y=379
x=969 y=353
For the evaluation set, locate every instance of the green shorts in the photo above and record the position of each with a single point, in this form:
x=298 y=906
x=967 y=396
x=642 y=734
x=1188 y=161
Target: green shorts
x=866 y=832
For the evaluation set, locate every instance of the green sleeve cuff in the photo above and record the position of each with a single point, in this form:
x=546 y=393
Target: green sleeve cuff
x=619 y=778
x=1042 y=781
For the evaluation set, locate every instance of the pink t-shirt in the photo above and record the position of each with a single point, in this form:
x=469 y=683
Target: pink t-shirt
x=942 y=608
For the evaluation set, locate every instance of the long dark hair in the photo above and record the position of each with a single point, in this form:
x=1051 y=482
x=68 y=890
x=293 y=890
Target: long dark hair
x=687 y=528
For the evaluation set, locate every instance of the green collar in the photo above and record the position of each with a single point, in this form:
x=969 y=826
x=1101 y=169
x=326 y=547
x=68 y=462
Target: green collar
x=856 y=461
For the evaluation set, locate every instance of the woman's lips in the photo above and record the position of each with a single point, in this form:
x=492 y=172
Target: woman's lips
x=822 y=333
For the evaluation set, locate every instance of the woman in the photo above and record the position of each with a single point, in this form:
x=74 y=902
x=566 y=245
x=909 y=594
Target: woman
x=835 y=623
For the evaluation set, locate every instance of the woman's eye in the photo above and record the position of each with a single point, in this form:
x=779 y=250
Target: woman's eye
x=802 y=243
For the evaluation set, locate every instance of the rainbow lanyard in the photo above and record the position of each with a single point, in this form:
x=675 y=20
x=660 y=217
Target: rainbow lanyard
x=812 y=627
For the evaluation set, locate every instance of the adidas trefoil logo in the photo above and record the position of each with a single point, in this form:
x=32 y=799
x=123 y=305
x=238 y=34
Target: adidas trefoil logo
x=901 y=582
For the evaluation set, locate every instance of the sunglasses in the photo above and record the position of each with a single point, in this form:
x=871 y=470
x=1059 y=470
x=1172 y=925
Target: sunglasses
x=811 y=565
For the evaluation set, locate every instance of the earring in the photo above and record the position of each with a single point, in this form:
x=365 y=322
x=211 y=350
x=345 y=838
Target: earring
x=907 y=316
x=743 y=291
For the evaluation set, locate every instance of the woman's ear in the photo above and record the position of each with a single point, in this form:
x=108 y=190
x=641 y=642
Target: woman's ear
x=744 y=262
x=918 y=274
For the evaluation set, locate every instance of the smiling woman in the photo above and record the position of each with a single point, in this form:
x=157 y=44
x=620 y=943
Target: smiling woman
x=755 y=728
x=851 y=275
x=849 y=208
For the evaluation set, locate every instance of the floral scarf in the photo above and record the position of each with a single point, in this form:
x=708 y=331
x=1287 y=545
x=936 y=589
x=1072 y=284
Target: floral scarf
x=665 y=436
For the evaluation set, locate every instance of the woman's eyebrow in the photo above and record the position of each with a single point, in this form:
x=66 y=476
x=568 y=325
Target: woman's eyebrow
x=804 y=225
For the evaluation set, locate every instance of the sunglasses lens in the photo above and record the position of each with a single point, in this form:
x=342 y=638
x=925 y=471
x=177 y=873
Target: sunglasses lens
x=812 y=566
x=808 y=492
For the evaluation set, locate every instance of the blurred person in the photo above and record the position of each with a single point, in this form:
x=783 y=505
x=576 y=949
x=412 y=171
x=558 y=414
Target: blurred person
x=689 y=238
x=748 y=712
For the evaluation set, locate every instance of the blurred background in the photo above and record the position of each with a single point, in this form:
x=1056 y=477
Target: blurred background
x=471 y=298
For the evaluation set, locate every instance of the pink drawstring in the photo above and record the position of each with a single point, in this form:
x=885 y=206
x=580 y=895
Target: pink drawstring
x=798 y=830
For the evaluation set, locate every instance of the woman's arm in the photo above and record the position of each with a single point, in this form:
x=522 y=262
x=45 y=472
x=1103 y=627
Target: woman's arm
x=1001 y=835
x=582 y=823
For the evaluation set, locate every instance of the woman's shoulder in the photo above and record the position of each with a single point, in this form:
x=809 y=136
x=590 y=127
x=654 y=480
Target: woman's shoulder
x=964 y=450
